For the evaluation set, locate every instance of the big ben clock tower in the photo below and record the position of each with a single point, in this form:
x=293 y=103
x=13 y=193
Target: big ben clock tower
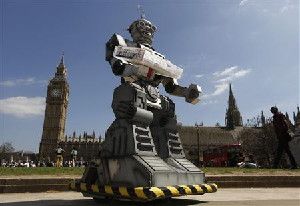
x=55 y=113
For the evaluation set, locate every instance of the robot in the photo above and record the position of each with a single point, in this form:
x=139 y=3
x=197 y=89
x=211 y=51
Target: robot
x=142 y=156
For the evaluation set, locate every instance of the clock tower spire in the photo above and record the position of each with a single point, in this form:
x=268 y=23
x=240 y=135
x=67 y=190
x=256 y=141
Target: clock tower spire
x=61 y=69
x=55 y=113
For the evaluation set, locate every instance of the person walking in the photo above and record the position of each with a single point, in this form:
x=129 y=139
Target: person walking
x=74 y=156
x=281 y=130
x=59 y=157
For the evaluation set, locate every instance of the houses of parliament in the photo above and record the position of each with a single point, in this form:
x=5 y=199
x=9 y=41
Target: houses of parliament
x=195 y=139
x=53 y=135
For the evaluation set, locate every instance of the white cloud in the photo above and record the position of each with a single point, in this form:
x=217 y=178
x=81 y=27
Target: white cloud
x=286 y=7
x=199 y=75
x=279 y=7
x=227 y=71
x=22 y=106
x=223 y=77
x=219 y=89
x=243 y=2
x=206 y=102
x=229 y=74
x=21 y=82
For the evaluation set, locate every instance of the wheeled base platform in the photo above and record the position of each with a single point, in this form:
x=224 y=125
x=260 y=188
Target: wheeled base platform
x=140 y=193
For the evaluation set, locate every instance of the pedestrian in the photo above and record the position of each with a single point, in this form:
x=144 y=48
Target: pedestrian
x=281 y=130
x=59 y=157
x=74 y=156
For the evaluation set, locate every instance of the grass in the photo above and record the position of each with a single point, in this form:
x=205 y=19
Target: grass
x=53 y=171
x=77 y=171
x=248 y=171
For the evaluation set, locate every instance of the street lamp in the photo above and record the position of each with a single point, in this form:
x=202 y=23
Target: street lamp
x=198 y=144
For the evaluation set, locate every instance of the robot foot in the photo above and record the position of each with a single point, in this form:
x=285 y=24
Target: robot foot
x=103 y=193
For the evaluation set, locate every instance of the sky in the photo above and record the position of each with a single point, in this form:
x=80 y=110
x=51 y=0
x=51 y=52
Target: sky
x=252 y=44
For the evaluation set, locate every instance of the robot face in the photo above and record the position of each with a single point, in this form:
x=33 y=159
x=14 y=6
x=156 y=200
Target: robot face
x=142 y=31
x=145 y=26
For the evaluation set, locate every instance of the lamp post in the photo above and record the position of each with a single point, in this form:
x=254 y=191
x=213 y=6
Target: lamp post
x=198 y=145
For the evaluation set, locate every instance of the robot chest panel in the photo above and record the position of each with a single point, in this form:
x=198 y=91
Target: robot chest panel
x=146 y=96
x=153 y=97
x=152 y=93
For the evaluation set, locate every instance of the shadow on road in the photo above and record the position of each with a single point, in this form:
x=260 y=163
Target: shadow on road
x=169 y=202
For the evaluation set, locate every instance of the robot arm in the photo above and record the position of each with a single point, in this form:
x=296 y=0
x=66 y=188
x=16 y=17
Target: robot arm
x=190 y=93
x=119 y=67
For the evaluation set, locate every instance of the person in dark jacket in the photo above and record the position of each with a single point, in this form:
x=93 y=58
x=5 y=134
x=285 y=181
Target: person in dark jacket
x=281 y=130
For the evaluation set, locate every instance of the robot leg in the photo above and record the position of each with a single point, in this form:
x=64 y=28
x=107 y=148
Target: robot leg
x=129 y=134
x=168 y=145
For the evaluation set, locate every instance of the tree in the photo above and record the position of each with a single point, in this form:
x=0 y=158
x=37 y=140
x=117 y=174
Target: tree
x=254 y=122
x=263 y=118
x=287 y=116
x=6 y=149
x=261 y=143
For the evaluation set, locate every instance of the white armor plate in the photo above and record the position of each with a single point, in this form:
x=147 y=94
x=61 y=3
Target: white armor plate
x=148 y=58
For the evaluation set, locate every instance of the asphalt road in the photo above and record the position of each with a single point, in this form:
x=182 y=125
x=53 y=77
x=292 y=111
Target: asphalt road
x=251 y=196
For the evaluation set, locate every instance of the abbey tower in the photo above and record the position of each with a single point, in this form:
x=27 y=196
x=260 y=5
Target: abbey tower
x=233 y=116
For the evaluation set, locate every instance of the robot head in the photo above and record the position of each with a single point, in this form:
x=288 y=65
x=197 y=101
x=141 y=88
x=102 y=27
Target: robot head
x=142 y=31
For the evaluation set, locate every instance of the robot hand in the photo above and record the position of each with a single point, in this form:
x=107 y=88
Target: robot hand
x=192 y=94
x=118 y=67
x=125 y=69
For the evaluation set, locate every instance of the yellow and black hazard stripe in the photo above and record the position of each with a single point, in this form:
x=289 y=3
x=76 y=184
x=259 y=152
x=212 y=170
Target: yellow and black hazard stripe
x=143 y=193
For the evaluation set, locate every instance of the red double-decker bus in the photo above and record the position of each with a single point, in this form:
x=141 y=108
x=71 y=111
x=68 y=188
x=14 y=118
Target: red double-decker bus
x=222 y=156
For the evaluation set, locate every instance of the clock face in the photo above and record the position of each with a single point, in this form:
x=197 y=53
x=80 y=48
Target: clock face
x=55 y=93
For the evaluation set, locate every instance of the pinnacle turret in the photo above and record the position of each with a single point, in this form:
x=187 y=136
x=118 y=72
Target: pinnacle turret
x=230 y=90
x=231 y=99
x=62 y=61
x=61 y=69
x=233 y=117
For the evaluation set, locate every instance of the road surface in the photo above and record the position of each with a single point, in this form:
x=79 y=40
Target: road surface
x=243 y=196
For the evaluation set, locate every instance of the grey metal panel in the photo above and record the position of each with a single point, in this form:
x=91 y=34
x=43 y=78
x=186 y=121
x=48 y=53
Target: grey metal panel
x=156 y=163
x=188 y=165
x=168 y=179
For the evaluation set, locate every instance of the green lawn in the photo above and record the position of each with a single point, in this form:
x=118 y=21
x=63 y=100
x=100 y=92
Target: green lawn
x=248 y=171
x=67 y=171
x=55 y=171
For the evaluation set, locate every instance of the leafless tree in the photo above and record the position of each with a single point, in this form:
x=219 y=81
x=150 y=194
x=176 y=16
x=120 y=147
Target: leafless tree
x=5 y=149
x=261 y=143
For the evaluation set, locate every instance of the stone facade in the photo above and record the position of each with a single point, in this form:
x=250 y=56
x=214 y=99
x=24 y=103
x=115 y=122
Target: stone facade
x=195 y=140
x=87 y=146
